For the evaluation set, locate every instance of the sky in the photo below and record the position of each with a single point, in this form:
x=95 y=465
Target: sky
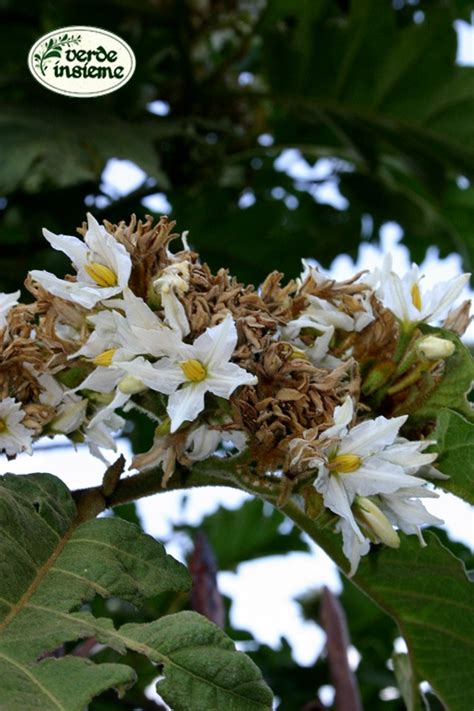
x=263 y=592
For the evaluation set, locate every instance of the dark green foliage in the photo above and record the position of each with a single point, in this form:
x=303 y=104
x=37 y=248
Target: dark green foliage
x=253 y=531
x=360 y=82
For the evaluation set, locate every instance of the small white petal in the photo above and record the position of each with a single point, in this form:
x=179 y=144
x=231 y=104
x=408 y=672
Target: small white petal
x=103 y=379
x=342 y=417
x=335 y=495
x=185 y=404
x=353 y=546
x=175 y=315
x=376 y=476
x=72 y=247
x=217 y=344
x=201 y=443
x=7 y=301
x=223 y=380
x=164 y=376
x=440 y=299
x=372 y=435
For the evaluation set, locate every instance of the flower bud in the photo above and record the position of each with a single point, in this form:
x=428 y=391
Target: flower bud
x=434 y=348
x=129 y=385
x=374 y=521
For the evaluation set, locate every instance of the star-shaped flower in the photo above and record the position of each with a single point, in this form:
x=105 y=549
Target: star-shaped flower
x=14 y=437
x=103 y=266
x=406 y=298
x=194 y=370
x=366 y=460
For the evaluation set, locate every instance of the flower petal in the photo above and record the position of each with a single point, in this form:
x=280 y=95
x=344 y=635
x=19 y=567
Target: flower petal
x=217 y=344
x=342 y=417
x=73 y=247
x=377 y=476
x=443 y=295
x=6 y=303
x=353 y=546
x=175 y=315
x=185 y=404
x=103 y=380
x=164 y=376
x=408 y=455
x=223 y=380
x=372 y=435
x=335 y=495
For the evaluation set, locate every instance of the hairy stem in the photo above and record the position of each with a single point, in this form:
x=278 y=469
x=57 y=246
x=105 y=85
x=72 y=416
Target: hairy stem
x=216 y=471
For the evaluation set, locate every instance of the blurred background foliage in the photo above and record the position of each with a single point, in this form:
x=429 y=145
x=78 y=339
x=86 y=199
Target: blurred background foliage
x=367 y=92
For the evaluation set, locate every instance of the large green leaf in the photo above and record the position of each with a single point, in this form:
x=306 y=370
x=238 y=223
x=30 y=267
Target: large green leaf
x=64 y=148
x=51 y=564
x=455 y=443
x=427 y=592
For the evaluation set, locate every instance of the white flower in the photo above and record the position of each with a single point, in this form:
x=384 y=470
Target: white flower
x=404 y=509
x=324 y=318
x=6 y=303
x=366 y=460
x=203 y=441
x=407 y=300
x=14 y=437
x=70 y=415
x=193 y=371
x=149 y=335
x=172 y=281
x=117 y=339
x=139 y=332
x=70 y=408
x=162 y=454
x=103 y=266
x=100 y=434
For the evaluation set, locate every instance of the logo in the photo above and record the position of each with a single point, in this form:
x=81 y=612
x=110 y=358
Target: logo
x=81 y=61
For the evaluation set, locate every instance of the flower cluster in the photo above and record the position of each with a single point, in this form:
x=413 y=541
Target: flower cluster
x=311 y=378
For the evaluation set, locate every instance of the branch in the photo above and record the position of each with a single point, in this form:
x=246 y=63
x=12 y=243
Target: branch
x=216 y=471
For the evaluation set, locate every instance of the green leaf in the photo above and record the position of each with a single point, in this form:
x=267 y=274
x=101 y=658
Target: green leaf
x=454 y=437
x=51 y=564
x=64 y=148
x=427 y=592
x=238 y=545
x=200 y=663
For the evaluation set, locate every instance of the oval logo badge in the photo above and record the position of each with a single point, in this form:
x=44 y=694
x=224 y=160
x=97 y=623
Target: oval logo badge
x=81 y=61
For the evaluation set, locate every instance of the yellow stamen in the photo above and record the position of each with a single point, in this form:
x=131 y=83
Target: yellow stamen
x=193 y=370
x=3 y=426
x=102 y=275
x=298 y=354
x=416 y=297
x=345 y=463
x=104 y=358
